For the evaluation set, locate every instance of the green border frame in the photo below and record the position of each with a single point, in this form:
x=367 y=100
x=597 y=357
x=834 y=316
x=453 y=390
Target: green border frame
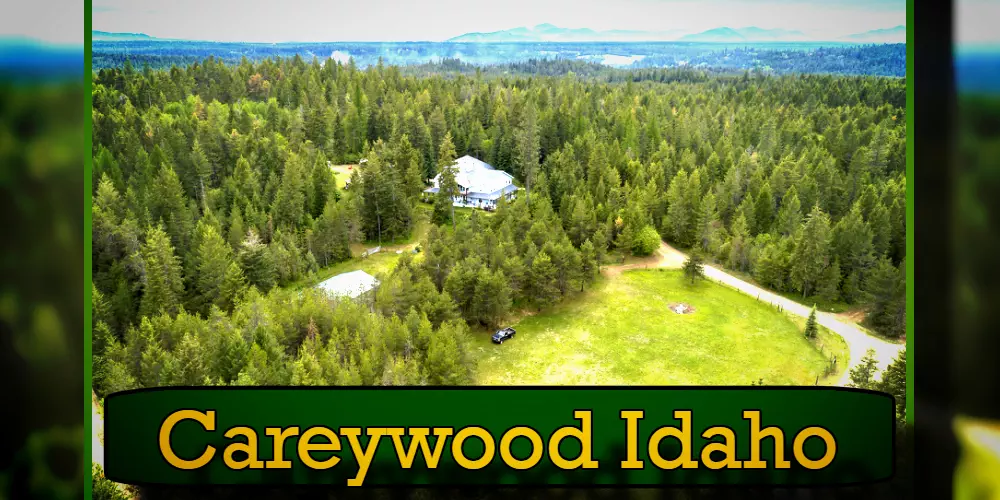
x=88 y=175
x=88 y=227
x=910 y=207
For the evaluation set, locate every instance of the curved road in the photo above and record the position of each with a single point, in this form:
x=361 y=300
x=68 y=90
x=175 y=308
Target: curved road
x=858 y=342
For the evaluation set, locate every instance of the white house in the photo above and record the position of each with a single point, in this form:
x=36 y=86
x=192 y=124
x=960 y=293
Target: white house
x=480 y=185
x=353 y=284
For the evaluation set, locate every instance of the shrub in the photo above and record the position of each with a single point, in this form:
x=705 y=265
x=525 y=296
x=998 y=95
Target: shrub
x=646 y=242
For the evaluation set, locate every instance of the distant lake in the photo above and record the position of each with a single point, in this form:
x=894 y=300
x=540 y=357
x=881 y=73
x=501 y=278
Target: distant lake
x=886 y=60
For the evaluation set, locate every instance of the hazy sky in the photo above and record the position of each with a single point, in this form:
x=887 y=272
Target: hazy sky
x=54 y=21
x=401 y=20
x=975 y=21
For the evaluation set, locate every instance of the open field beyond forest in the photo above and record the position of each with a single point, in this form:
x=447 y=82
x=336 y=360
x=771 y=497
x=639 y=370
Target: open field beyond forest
x=621 y=332
x=343 y=173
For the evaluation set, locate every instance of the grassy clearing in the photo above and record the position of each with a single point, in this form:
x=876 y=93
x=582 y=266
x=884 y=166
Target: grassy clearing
x=461 y=213
x=384 y=261
x=621 y=332
x=379 y=263
x=343 y=173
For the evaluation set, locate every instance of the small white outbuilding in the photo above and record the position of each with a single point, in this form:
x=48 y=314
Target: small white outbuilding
x=353 y=284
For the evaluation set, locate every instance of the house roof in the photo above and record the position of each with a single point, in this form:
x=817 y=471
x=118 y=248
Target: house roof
x=477 y=176
x=352 y=284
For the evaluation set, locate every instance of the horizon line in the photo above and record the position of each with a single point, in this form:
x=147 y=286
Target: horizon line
x=451 y=39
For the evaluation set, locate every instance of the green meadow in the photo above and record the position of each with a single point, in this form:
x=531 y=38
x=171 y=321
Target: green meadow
x=623 y=332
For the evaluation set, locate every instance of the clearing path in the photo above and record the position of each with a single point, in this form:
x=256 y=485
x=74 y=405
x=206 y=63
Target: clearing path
x=665 y=256
x=858 y=341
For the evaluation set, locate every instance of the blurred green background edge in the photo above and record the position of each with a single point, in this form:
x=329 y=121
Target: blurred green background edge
x=88 y=253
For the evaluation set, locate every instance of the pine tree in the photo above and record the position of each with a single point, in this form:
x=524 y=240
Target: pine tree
x=448 y=189
x=625 y=240
x=746 y=208
x=528 y=148
x=694 y=267
x=213 y=280
x=828 y=288
x=237 y=231
x=233 y=284
x=851 y=290
x=588 y=263
x=169 y=206
x=243 y=185
x=886 y=287
x=600 y=245
x=202 y=169
x=408 y=162
x=154 y=360
x=583 y=221
x=323 y=186
x=790 y=214
x=162 y=284
x=894 y=382
x=863 y=375
x=258 y=263
x=852 y=241
x=680 y=216
x=385 y=208
x=289 y=202
x=446 y=362
x=492 y=299
x=881 y=230
x=330 y=241
x=771 y=267
x=739 y=243
x=811 y=254
x=189 y=368
x=543 y=281
x=711 y=229
x=811 y=327
x=898 y=220
x=763 y=210
x=438 y=127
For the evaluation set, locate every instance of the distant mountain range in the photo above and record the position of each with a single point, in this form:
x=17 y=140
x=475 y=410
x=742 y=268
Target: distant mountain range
x=748 y=34
x=105 y=36
x=895 y=34
x=551 y=33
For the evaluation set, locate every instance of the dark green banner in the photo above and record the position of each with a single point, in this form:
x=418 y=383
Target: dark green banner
x=481 y=436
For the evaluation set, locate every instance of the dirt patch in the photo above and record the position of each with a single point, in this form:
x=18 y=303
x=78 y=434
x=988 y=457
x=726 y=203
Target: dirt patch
x=670 y=256
x=681 y=308
x=516 y=316
x=856 y=316
x=665 y=257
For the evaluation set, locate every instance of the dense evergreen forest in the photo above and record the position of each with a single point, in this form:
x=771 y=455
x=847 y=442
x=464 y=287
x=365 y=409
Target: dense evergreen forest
x=213 y=196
